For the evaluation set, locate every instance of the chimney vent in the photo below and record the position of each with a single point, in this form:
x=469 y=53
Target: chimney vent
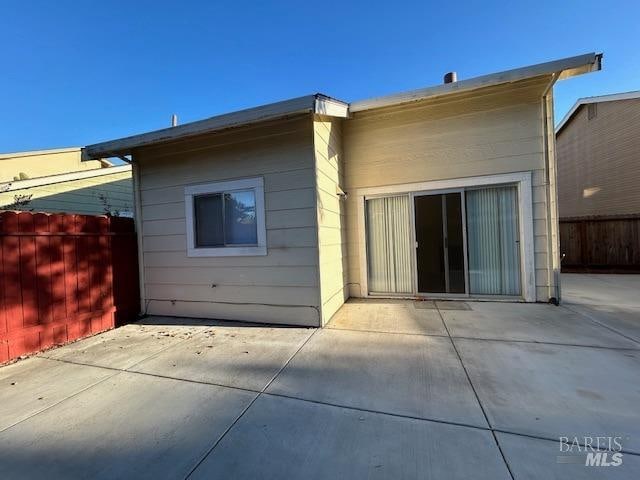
x=450 y=77
x=174 y=120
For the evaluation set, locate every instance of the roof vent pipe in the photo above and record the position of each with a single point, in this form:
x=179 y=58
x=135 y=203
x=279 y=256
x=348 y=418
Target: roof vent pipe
x=174 y=120
x=450 y=77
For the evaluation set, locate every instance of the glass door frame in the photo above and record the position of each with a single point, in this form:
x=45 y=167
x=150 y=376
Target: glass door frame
x=411 y=239
x=522 y=180
x=414 y=252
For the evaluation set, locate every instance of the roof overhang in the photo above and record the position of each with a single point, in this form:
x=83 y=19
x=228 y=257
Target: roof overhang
x=598 y=99
x=561 y=69
x=323 y=105
x=316 y=104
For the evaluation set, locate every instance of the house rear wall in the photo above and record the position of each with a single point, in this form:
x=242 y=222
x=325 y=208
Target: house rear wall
x=499 y=130
x=281 y=287
x=332 y=242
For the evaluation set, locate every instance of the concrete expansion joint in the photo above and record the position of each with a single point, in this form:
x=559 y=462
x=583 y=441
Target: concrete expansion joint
x=475 y=393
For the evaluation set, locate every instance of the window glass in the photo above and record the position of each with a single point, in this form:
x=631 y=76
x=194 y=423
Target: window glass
x=208 y=220
x=493 y=241
x=240 y=218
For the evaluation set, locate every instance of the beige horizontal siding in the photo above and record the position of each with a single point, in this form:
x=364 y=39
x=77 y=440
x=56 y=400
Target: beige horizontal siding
x=296 y=276
x=281 y=287
x=331 y=210
x=43 y=163
x=288 y=315
x=495 y=131
x=249 y=294
x=599 y=161
x=77 y=196
x=277 y=257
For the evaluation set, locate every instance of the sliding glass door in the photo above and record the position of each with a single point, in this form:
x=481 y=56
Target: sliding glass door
x=493 y=241
x=389 y=258
x=457 y=242
x=439 y=234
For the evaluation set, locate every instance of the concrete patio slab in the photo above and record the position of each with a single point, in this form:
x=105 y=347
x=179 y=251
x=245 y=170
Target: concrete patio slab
x=410 y=375
x=452 y=305
x=601 y=289
x=550 y=390
x=245 y=357
x=285 y=438
x=32 y=385
x=130 y=426
x=533 y=459
x=624 y=320
x=393 y=316
x=532 y=323
x=122 y=347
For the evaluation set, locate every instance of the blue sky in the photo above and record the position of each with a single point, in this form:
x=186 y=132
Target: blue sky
x=76 y=73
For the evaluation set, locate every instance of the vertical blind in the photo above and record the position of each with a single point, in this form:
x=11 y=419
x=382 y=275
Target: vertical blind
x=492 y=241
x=389 y=244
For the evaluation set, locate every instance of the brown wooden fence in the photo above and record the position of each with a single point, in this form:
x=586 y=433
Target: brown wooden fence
x=600 y=244
x=63 y=277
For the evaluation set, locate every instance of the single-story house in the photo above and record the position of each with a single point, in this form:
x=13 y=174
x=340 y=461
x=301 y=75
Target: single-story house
x=58 y=180
x=598 y=151
x=280 y=213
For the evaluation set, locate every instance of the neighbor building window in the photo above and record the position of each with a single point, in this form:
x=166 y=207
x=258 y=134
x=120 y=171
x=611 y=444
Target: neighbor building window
x=226 y=218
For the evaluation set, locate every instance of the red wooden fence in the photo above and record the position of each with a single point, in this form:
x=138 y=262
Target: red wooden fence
x=63 y=277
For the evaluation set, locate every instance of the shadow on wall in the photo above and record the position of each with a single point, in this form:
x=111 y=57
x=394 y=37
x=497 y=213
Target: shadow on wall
x=63 y=277
x=92 y=196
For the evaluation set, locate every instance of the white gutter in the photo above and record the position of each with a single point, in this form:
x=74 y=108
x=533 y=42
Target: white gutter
x=565 y=68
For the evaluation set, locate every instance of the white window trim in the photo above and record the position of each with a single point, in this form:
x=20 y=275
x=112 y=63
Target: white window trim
x=525 y=205
x=257 y=184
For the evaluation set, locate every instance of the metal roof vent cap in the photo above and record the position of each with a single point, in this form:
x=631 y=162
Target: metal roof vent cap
x=450 y=77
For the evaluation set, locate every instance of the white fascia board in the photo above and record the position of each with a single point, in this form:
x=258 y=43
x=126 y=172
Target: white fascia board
x=331 y=107
x=565 y=68
x=596 y=99
x=62 y=177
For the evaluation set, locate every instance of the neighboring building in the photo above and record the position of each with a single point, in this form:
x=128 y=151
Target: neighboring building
x=598 y=150
x=59 y=181
x=279 y=213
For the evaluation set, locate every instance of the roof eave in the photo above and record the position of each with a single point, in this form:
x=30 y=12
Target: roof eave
x=596 y=99
x=317 y=104
x=565 y=68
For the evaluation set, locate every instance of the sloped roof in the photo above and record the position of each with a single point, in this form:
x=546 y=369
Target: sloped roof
x=323 y=104
x=596 y=99
x=317 y=103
